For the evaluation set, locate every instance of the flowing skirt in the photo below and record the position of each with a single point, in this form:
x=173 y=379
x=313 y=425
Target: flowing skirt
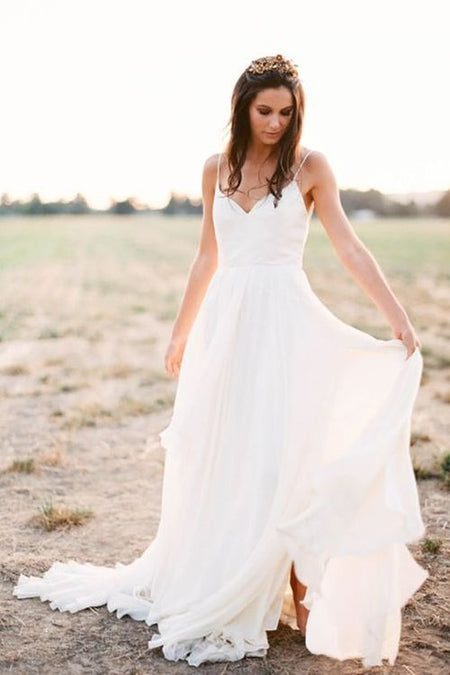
x=288 y=443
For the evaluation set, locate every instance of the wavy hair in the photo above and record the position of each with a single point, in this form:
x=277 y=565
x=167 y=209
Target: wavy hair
x=245 y=90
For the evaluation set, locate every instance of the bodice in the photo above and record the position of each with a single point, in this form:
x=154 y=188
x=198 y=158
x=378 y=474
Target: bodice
x=264 y=235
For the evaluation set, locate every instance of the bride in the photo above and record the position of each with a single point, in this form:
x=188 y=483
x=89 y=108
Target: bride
x=287 y=477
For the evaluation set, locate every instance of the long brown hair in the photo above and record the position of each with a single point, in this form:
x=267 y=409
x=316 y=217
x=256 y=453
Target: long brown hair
x=245 y=90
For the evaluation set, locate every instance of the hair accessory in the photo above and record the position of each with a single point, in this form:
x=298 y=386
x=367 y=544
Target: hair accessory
x=270 y=63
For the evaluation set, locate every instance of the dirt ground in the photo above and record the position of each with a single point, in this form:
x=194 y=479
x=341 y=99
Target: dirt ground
x=85 y=317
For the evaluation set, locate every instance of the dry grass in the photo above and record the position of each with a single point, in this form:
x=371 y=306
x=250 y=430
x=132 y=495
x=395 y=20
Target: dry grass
x=15 y=369
x=429 y=545
x=60 y=517
x=83 y=395
x=23 y=465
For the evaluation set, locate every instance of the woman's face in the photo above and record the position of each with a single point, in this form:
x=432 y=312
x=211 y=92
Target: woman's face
x=270 y=113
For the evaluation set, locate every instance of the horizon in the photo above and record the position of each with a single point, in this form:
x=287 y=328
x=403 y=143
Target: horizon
x=420 y=198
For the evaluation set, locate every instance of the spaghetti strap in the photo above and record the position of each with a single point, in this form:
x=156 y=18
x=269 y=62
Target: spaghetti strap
x=302 y=162
x=218 y=169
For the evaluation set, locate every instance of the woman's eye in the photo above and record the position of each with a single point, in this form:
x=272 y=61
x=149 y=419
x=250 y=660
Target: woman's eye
x=285 y=114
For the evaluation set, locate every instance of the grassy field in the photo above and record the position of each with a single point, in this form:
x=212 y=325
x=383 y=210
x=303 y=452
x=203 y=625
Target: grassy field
x=86 y=309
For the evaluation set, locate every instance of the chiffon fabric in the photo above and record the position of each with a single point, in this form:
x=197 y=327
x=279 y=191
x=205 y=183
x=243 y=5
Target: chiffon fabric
x=288 y=443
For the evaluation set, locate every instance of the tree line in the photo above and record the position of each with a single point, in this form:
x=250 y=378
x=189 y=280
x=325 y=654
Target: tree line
x=352 y=201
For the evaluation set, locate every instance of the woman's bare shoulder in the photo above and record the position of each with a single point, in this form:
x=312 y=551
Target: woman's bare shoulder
x=311 y=155
x=210 y=166
x=210 y=172
x=315 y=166
x=211 y=162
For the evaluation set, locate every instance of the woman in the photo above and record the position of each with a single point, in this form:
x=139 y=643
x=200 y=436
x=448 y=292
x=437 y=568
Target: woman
x=287 y=463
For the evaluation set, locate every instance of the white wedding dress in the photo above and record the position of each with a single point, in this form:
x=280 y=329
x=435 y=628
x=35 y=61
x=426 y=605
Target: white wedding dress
x=289 y=442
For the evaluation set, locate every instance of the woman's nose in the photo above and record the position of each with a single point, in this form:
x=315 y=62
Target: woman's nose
x=275 y=123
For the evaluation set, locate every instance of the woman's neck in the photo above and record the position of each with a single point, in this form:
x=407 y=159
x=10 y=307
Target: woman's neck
x=260 y=154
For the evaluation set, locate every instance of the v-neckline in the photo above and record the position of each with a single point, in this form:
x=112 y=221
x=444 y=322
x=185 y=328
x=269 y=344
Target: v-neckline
x=247 y=213
x=262 y=199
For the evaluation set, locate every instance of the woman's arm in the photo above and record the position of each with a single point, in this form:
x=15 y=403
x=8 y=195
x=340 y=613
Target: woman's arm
x=200 y=273
x=352 y=252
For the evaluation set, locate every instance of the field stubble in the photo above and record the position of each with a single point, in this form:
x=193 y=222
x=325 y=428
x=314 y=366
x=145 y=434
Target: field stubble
x=87 y=308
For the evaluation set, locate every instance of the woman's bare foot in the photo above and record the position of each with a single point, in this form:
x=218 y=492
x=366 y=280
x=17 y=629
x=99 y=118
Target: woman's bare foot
x=299 y=592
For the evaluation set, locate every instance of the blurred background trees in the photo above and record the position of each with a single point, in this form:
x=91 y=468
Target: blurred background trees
x=368 y=204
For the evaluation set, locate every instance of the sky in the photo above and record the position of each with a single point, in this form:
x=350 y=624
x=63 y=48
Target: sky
x=121 y=98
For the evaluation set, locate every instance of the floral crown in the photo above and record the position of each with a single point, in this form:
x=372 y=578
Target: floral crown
x=270 y=63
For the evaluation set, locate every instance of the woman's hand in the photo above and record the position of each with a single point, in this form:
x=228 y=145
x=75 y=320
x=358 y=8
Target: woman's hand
x=174 y=356
x=404 y=331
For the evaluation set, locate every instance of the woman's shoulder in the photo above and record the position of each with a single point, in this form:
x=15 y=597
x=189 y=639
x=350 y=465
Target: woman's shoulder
x=310 y=155
x=210 y=164
x=210 y=171
x=313 y=164
x=315 y=168
x=212 y=161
